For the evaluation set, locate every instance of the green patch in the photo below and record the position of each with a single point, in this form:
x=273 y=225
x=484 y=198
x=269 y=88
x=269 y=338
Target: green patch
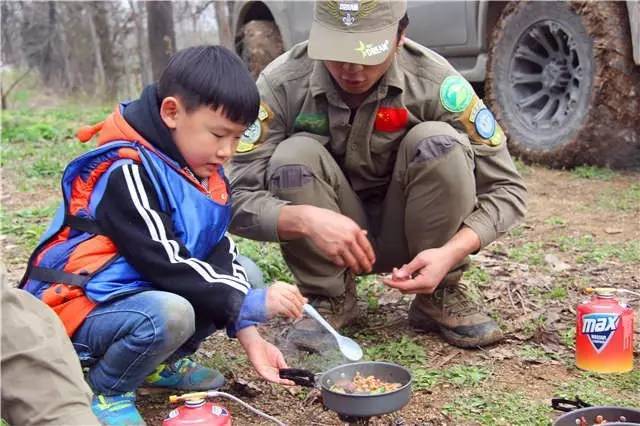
x=268 y=258
x=530 y=352
x=605 y=389
x=455 y=93
x=521 y=167
x=406 y=351
x=424 y=379
x=38 y=144
x=476 y=275
x=370 y=288
x=465 y=375
x=626 y=201
x=312 y=123
x=555 y=221
x=27 y=225
x=500 y=408
x=530 y=253
x=588 y=250
x=517 y=232
x=556 y=293
x=568 y=337
x=593 y=173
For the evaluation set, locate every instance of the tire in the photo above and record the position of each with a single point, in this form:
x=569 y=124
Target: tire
x=571 y=106
x=261 y=43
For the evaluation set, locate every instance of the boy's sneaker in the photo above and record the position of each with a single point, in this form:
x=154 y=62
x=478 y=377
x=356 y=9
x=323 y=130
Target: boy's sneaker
x=185 y=374
x=117 y=410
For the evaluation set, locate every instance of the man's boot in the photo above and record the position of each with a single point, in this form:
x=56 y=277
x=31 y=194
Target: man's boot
x=307 y=334
x=450 y=311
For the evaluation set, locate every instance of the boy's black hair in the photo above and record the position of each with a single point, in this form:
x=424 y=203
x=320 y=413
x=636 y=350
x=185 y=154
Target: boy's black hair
x=214 y=77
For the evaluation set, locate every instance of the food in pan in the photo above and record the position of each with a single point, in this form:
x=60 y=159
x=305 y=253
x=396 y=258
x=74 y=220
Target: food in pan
x=364 y=385
x=599 y=420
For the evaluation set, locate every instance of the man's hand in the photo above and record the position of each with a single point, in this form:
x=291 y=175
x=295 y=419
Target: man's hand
x=429 y=267
x=265 y=358
x=335 y=235
x=422 y=274
x=284 y=299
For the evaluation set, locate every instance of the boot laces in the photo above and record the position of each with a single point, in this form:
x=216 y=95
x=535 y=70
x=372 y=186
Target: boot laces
x=456 y=301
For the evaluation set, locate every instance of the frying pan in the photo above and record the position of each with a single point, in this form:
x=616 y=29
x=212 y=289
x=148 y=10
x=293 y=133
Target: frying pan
x=611 y=414
x=357 y=405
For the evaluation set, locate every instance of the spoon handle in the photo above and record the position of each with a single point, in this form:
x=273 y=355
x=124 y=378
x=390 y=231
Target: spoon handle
x=311 y=311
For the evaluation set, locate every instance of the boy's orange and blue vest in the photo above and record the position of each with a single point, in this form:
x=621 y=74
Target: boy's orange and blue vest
x=75 y=266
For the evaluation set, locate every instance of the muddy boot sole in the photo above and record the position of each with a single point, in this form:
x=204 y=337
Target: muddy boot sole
x=459 y=338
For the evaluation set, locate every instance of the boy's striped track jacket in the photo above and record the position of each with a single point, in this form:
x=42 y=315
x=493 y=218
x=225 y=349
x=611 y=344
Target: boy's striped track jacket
x=133 y=219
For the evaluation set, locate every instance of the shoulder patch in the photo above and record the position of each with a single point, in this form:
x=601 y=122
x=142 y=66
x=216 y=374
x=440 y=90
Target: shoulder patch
x=455 y=93
x=254 y=134
x=316 y=123
x=480 y=124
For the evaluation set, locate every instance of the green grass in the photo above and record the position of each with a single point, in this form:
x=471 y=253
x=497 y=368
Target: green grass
x=500 y=408
x=605 y=389
x=27 y=225
x=593 y=173
x=369 y=288
x=530 y=253
x=556 y=293
x=522 y=168
x=588 y=250
x=555 y=221
x=268 y=258
x=38 y=144
x=625 y=201
x=405 y=351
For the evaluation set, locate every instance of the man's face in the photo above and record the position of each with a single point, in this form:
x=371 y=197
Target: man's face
x=357 y=79
x=205 y=137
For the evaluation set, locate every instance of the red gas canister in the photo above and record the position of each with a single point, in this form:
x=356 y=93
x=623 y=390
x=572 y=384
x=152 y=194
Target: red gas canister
x=198 y=412
x=604 y=334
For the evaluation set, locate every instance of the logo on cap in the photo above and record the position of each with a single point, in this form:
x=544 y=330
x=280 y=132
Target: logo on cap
x=349 y=11
x=371 y=50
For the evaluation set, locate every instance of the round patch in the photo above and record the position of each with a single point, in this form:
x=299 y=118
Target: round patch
x=252 y=134
x=455 y=93
x=485 y=124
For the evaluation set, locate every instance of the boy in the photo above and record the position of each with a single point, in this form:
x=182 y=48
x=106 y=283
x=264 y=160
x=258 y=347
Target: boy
x=138 y=265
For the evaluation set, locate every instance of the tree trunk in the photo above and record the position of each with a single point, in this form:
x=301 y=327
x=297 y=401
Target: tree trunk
x=161 y=35
x=224 y=27
x=100 y=20
x=145 y=66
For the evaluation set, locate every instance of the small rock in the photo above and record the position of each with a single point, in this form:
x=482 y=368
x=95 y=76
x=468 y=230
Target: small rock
x=613 y=230
x=556 y=264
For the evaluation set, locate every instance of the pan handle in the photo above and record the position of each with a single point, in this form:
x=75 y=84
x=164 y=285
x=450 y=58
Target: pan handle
x=567 y=405
x=298 y=376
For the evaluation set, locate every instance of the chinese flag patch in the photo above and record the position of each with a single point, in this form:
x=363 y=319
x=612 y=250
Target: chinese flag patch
x=391 y=119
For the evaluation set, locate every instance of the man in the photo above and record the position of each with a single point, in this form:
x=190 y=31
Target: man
x=41 y=375
x=372 y=154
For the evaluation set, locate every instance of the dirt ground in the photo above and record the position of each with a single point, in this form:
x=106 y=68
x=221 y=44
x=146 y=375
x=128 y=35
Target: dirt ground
x=523 y=269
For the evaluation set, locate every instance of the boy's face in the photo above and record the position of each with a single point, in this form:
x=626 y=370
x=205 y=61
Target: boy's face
x=205 y=137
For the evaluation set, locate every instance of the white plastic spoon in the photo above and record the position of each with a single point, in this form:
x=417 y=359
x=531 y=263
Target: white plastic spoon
x=349 y=348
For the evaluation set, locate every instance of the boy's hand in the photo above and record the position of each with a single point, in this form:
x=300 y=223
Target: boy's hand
x=284 y=299
x=265 y=357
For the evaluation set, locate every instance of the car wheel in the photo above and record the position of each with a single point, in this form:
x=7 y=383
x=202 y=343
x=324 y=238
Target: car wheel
x=562 y=82
x=260 y=44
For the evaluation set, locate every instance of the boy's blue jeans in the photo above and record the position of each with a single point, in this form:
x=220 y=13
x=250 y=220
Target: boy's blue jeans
x=123 y=341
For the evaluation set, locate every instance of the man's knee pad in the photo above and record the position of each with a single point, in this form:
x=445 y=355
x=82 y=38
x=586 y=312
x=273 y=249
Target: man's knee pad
x=295 y=161
x=430 y=140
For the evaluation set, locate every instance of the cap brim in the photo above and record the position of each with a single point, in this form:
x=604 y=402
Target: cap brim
x=370 y=48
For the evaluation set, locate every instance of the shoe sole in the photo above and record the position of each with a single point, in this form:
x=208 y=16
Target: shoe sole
x=427 y=325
